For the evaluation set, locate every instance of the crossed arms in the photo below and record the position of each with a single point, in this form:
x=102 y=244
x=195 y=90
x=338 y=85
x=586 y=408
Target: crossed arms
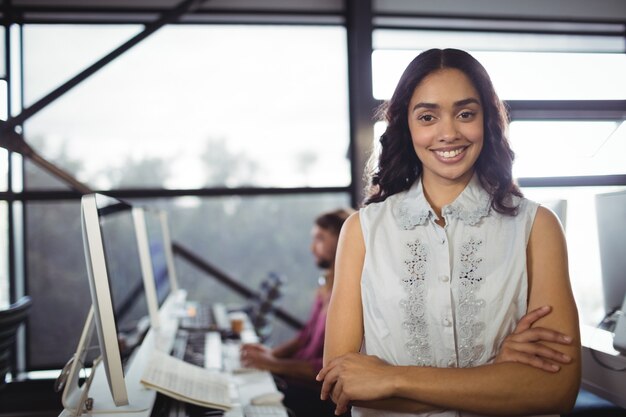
x=537 y=369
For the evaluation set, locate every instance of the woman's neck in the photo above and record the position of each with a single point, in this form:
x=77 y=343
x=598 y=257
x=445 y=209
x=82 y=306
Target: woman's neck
x=439 y=192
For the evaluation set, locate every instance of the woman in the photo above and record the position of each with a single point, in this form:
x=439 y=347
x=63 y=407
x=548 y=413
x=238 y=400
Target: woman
x=435 y=275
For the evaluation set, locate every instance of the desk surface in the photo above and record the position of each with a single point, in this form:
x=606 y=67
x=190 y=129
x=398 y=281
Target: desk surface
x=599 y=363
x=247 y=385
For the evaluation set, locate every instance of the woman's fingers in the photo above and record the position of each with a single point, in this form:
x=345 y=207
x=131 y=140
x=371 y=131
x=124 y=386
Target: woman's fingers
x=339 y=398
x=540 y=334
x=535 y=355
x=329 y=376
x=536 y=349
x=529 y=318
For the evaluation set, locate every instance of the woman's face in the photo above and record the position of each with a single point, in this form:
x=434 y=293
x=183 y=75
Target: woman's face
x=446 y=124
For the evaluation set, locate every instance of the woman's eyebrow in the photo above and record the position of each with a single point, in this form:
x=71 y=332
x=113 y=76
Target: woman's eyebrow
x=432 y=106
x=425 y=105
x=466 y=101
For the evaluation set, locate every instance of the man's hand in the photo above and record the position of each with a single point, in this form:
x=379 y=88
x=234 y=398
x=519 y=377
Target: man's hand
x=257 y=356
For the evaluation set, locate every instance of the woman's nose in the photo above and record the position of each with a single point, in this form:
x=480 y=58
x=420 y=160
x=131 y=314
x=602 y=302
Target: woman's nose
x=448 y=131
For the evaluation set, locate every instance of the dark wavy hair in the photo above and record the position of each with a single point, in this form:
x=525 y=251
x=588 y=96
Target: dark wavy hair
x=397 y=167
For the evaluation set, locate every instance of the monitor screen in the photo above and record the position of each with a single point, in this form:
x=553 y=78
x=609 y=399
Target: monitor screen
x=158 y=258
x=123 y=265
x=611 y=218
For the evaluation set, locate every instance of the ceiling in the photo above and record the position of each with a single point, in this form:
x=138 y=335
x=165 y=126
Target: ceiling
x=606 y=11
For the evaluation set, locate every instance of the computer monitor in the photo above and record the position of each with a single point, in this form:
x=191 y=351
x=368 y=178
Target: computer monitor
x=611 y=221
x=119 y=309
x=153 y=257
x=168 y=251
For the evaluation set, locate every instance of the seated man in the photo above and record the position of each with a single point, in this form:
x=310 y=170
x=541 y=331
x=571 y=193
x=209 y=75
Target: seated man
x=300 y=359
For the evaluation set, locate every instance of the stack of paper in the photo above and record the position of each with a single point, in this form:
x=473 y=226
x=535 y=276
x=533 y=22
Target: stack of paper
x=185 y=382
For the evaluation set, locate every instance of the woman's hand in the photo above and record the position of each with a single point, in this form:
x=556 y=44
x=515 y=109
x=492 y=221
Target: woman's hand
x=353 y=377
x=524 y=344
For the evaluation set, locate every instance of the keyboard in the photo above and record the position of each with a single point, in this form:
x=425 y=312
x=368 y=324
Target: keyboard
x=264 y=411
x=220 y=316
x=199 y=317
x=205 y=317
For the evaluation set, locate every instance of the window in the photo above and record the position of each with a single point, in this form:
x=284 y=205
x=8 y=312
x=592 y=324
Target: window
x=4 y=252
x=193 y=106
x=568 y=148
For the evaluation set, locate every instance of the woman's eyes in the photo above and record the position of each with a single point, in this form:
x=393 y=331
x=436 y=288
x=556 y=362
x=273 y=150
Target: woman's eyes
x=426 y=118
x=464 y=115
x=467 y=115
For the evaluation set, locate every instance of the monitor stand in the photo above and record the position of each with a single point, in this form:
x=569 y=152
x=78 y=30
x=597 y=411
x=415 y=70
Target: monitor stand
x=94 y=396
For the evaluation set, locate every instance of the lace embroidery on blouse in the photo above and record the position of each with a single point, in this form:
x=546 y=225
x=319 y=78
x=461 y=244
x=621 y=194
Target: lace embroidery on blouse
x=410 y=215
x=473 y=216
x=469 y=327
x=408 y=219
x=414 y=307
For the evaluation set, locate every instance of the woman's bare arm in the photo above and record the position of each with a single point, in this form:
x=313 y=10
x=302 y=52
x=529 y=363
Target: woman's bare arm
x=344 y=323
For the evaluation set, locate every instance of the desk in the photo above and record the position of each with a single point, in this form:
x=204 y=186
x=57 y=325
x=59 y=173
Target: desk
x=142 y=399
x=597 y=379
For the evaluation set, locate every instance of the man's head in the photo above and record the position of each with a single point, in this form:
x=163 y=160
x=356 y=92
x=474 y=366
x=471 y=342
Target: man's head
x=326 y=235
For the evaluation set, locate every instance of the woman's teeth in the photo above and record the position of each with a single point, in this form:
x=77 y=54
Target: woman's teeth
x=449 y=154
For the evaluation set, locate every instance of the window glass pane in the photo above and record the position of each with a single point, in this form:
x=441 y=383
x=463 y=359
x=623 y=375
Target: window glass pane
x=195 y=106
x=517 y=75
x=582 y=244
x=4 y=254
x=568 y=148
x=4 y=100
x=486 y=41
x=4 y=156
x=4 y=169
x=3 y=64
x=57 y=282
x=53 y=54
x=245 y=237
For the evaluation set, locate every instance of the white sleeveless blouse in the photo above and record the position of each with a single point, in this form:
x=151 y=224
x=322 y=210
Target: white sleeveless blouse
x=442 y=296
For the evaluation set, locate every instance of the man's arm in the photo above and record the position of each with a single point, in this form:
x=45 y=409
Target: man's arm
x=287 y=349
x=261 y=357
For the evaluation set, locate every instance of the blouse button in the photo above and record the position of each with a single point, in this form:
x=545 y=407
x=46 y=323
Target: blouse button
x=443 y=278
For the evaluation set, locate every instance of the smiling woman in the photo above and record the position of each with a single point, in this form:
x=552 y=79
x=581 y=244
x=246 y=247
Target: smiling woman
x=450 y=285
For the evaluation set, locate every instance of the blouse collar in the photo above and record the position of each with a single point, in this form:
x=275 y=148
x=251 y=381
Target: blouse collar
x=412 y=208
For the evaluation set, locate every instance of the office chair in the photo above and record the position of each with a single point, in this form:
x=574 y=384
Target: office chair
x=10 y=320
